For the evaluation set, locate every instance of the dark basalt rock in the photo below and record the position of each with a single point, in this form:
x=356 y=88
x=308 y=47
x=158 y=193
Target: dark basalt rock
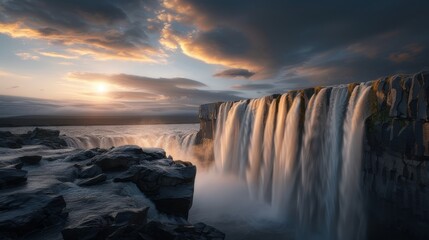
x=9 y=140
x=85 y=155
x=119 y=158
x=10 y=177
x=47 y=137
x=100 y=227
x=93 y=181
x=14 y=166
x=169 y=187
x=123 y=157
x=168 y=231
x=14 y=163
x=30 y=160
x=88 y=171
x=23 y=213
x=38 y=136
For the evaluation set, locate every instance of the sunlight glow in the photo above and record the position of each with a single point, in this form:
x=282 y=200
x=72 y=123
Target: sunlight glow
x=101 y=88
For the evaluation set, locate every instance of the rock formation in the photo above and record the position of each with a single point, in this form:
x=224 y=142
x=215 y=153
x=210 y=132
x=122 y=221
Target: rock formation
x=87 y=194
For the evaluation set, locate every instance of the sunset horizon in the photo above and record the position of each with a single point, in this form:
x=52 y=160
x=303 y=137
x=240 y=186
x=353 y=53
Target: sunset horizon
x=214 y=120
x=169 y=57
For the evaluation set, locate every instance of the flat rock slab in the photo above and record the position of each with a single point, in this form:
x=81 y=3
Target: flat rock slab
x=120 y=158
x=89 y=171
x=100 y=227
x=22 y=213
x=10 y=177
x=30 y=160
x=168 y=231
x=93 y=181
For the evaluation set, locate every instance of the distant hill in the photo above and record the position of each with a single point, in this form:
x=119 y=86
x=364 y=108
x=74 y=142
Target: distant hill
x=45 y=120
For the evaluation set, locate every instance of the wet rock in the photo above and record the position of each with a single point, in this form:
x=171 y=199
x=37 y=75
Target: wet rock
x=168 y=231
x=46 y=137
x=118 y=158
x=38 y=133
x=11 y=177
x=9 y=140
x=93 y=181
x=89 y=171
x=69 y=174
x=169 y=187
x=10 y=163
x=100 y=227
x=123 y=157
x=154 y=153
x=38 y=136
x=30 y=160
x=14 y=166
x=26 y=212
x=398 y=105
x=84 y=155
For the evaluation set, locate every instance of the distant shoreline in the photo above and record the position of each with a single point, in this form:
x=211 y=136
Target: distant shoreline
x=43 y=121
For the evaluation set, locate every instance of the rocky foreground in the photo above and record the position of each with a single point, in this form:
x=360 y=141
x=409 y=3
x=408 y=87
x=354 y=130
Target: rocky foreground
x=120 y=193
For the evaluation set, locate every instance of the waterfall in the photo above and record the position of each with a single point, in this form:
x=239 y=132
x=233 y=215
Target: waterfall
x=178 y=145
x=303 y=158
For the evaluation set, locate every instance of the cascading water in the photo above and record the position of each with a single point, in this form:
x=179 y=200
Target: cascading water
x=177 y=143
x=302 y=158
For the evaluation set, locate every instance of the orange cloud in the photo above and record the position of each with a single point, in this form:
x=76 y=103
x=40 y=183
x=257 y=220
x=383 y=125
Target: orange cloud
x=407 y=54
x=57 y=55
x=100 y=47
x=27 y=56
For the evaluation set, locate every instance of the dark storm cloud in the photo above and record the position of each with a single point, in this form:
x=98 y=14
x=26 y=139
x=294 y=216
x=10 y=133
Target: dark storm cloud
x=235 y=73
x=102 y=29
x=277 y=36
x=255 y=86
x=169 y=91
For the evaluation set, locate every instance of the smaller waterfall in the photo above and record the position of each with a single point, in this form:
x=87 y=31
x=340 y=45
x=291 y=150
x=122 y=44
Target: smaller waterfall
x=180 y=145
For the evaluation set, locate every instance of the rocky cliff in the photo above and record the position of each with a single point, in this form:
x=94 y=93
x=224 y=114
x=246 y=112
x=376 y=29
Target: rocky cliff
x=395 y=168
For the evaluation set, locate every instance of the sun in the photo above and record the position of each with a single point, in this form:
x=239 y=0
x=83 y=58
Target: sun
x=101 y=88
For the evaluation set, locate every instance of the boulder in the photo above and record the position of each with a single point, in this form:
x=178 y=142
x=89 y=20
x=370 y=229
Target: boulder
x=39 y=133
x=84 y=155
x=93 y=181
x=26 y=212
x=118 y=158
x=11 y=177
x=100 y=227
x=169 y=187
x=30 y=160
x=123 y=157
x=13 y=163
x=89 y=171
x=38 y=136
x=46 y=137
x=9 y=140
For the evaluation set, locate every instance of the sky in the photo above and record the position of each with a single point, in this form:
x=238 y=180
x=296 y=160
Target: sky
x=157 y=57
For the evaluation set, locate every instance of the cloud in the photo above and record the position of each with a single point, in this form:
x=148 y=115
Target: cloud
x=255 y=86
x=234 y=73
x=27 y=56
x=101 y=29
x=57 y=55
x=12 y=75
x=182 y=93
x=270 y=37
x=129 y=95
x=407 y=54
